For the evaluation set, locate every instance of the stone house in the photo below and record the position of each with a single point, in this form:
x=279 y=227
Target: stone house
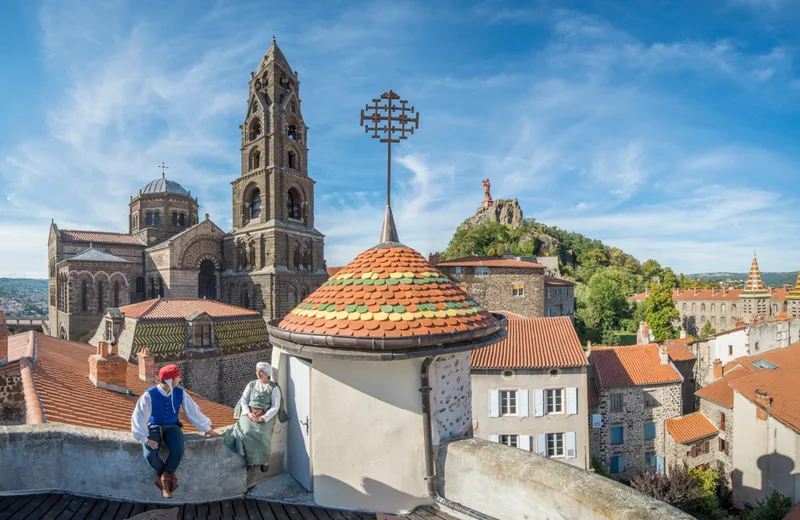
x=637 y=389
x=691 y=441
x=216 y=345
x=530 y=390
x=684 y=360
x=559 y=297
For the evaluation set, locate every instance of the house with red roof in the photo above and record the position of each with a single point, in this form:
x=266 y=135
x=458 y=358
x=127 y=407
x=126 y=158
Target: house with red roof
x=636 y=389
x=530 y=390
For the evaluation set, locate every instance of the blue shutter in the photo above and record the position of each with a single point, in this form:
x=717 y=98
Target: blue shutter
x=649 y=430
x=616 y=435
x=659 y=465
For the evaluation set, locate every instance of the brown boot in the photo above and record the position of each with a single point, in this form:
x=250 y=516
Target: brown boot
x=173 y=482
x=158 y=482
x=264 y=468
x=166 y=485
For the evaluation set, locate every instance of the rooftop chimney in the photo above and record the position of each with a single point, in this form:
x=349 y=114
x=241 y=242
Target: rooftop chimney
x=714 y=291
x=643 y=334
x=724 y=291
x=717 y=369
x=683 y=333
x=663 y=354
x=648 y=291
x=147 y=365
x=3 y=340
x=772 y=290
x=763 y=398
x=107 y=370
x=696 y=291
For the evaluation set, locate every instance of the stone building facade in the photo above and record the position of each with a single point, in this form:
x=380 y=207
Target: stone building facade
x=637 y=389
x=691 y=441
x=271 y=260
x=514 y=286
x=559 y=297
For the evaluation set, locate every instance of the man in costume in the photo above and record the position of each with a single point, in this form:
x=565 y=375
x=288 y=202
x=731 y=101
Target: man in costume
x=251 y=437
x=155 y=420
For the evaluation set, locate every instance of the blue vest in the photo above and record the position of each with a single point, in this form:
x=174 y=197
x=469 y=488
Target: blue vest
x=165 y=408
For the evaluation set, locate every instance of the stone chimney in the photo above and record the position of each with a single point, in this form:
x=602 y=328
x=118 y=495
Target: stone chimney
x=3 y=340
x=724 y=291
x=107 y=370
x=643 y=334
x=663 y=354
x=714 y=291
x=679 y=291
x=696 y=291
x=683 y=332
x=763 y=398
x=717 y=371
x=648 y=291
x=147 y=365
x=772 y=290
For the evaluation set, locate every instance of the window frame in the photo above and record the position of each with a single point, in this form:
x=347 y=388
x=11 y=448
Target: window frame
x=654 y=428
x=509 y=439
x=518 y=290
x=557 y=395
x=648 y=467
x=482 y=271
x=611 y=430
x=508 y=400
x=611 y=465
x=555 y=438
x=613 y=398
x=458 y=270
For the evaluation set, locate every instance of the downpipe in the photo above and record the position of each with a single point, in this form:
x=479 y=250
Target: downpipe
x=427 y=428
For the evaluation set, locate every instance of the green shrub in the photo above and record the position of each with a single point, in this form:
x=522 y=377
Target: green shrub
x=775 y=507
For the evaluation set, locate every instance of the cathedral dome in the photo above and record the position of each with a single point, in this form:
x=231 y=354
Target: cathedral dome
x=163 y=186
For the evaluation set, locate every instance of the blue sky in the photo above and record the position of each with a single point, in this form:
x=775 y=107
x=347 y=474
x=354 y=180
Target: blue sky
x=669 y=130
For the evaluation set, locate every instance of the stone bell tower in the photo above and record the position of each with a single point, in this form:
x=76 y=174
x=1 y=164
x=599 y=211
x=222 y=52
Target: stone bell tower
x=273 y=255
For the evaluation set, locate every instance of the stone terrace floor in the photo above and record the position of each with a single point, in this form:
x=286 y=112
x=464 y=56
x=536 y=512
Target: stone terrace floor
x=53 y=506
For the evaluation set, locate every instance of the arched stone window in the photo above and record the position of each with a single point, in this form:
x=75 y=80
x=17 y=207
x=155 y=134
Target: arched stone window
x=174 y=218
x=722 y=307
x=292 y=133
x=182 y=219
x=293 y=202
x=207 y=280
x=733 y=307
x=245 y=298
x=101 y=303
x=255 y=159
x=292 y=296
x=255 y=204
x=702 y=307
x=149 y=219
x=84 y=295
x=292 y=160
x=255 y=129
x=712 y=307
x=157 y=218
x=713 y=320
x=116 y=294
x=694 y=307
x=684 y=307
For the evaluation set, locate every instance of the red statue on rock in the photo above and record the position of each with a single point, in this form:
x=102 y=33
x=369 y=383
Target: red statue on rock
x=487 y=198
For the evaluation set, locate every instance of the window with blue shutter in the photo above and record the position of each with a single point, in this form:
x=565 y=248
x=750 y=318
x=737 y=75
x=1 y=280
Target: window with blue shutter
x=617 y=435
x=649 y=431
x=618 y=464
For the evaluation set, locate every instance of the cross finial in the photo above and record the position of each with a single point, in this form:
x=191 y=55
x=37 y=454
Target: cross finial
x=390 y=121
x=164 y=169
x=273 y=39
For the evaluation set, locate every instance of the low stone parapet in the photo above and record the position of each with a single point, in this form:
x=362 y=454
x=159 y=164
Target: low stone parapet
x=110 y=464
x=512 y=484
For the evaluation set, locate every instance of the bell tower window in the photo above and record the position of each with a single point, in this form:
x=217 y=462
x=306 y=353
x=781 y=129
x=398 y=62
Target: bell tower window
x=293 y=204
x=174 y=218
x=149 y=219
x=182 y=219
x=255 y=160
x=255 y=129
x=157 y=218
x=84 y=296
x=292 y=133
x=292 y=160
x=255 y=204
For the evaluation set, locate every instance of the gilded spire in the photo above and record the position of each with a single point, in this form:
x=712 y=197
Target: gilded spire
x=794 y=294
x=754 y=286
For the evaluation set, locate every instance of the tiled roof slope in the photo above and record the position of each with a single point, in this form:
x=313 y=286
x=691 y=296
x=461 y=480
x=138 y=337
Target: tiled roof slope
x=631 y=366
x=489 y=261
x=557 y=282
x=99 y=237
x=332 y=271
x=679 y=353
x=386 y=292
x=713 y=295
x=719 y=391
x=592 y=397
x=17 y=344
x=534 y=343
x=690 y=428
x=180 y=308
x=61 y=373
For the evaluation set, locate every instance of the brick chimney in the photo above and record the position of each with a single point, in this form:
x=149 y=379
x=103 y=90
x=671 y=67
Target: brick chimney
x=714 y=291
x=772 y=290
x=107 y=370
x=3 y=340
x=696 y=291
x=763 y=398
x=683 y=332
x=717 y=374
x=643 y=334
x=663 y=354
x=724 y=291
x=147 y=365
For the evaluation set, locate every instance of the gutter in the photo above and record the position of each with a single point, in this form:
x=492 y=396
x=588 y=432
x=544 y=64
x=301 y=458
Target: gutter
x=430 y=474
x=34 y=414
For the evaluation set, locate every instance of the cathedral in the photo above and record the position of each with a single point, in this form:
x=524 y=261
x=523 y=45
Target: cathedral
x=269 y=261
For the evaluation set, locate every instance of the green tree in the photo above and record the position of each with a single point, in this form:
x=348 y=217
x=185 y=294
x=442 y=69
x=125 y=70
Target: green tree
x=650 y=268
x=660 y=313
x=668 y=278
x=605 y=299
x=707 y=480
x=707 y=330
x=775 y=507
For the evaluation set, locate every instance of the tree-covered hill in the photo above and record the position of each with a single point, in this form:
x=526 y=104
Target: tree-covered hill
x=606 y=276
x=23 y=296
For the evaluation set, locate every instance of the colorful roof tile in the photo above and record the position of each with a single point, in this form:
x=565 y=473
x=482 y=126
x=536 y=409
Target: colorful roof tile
x=174 y=308
x=99 y=237
x=534 y=343
x=67 y=396
x=488 y=261
x=754 y=288
x=794 y=294
x=389 y=291
x=690 y=428
x=631 y=366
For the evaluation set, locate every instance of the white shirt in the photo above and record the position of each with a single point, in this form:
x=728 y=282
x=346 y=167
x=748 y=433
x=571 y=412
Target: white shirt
x=144 y=407
x=275 y=401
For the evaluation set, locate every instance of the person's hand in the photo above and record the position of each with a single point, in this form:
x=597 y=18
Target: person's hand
x=252 y=417
x=151 y=444
x=210 y=433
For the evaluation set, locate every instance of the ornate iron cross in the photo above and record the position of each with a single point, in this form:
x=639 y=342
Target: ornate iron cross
x=164 y=169
x=391 y=120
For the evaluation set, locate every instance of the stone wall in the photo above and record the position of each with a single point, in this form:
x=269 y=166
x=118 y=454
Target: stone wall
x=665 y=403
x=221 y=378
x=495 y=291
x=686 y=369
x=713 y=411
x=681 y=454
x=12 y=400
x=510 y=484
x=559 y=303
x=451 y=393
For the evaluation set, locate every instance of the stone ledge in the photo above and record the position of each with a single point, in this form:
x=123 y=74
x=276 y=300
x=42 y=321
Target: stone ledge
x=484 y=476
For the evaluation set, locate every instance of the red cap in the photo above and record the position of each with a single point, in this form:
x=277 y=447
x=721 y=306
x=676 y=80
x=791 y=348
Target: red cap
x=168 y=372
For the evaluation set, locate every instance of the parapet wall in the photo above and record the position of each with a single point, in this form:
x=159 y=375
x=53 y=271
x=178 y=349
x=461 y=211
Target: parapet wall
x=512 y=484
x=110 y=464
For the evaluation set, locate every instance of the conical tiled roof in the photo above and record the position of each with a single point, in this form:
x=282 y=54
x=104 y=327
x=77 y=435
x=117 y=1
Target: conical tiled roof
x=754 y=287
x=392 y=294
x=794 y=294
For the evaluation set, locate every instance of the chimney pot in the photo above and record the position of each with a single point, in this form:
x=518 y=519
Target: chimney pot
x=663 y=354
x=147 y=365
x=3 y=340
x=108 y=371
x=717 y=369
x=763 y=398
x=724 y=291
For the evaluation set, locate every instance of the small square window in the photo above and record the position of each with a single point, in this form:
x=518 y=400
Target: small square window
x=616 y=402
x=481 y=271
x=510 y=440
x=508 y=402
x=518 y=290
x=617 y=435
x=649 y=431
x=555 y=400
x=458 y=270
x=555 y=444
x=618 y=464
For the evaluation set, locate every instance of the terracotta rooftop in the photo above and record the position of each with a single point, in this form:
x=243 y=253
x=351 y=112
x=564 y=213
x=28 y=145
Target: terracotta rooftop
x=180 y=308
x=61 y=378
x=719 y=391
x=389 y=291
x=630 y=366
x=734 y=295
x=99 y=237
x=17 y=344
x=488 y=261
x=332 y=271
x=534 y=343
x=549 y=280
x=679 y=352
x=690 y=428
x=592 y=397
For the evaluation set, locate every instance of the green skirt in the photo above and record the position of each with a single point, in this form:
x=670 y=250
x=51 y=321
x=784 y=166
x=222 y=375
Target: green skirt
x=251 y=440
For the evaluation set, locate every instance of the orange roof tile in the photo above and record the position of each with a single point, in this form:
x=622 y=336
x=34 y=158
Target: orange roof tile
x=534 y=343
x=690 y=428
x=67 y=396
x=180 y=308
x=679 y=352
x=548 y=280
x=389 y=291
x=631 y=365
x=713 y=295
x=333 y=270
x=489 y=261
x=719 y=391
x=17 y=344
x=99 y=237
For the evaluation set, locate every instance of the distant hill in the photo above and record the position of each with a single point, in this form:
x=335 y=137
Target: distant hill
x=735 y=279
x=23 y=296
